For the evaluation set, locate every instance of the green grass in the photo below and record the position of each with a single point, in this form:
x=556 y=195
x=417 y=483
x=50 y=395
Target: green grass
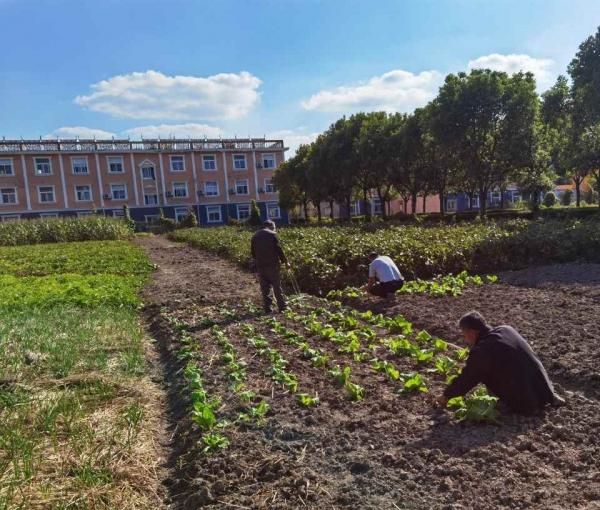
x=74 y=393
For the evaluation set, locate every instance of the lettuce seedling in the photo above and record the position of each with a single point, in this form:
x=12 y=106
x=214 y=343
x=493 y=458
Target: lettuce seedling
x=413 y=383
x=477 y=407
x=356 y=392
x=306 y=400
x=213 y=442
x=341 y=376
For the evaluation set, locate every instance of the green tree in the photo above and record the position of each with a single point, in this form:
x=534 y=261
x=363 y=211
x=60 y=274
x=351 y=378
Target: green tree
x=550 y=199
x=254 y=219
x=291 y=181
x=567 y=197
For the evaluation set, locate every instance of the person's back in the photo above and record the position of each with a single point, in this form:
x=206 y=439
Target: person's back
x=384 y=268
x=511 y=370
x=265 y=248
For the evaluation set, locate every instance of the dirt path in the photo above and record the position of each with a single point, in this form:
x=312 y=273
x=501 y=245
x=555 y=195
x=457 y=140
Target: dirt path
x=386 y=452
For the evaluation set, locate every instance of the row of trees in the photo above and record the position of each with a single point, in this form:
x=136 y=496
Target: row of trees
x=483 y=131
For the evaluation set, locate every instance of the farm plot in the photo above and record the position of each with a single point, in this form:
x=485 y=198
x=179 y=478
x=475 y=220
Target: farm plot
x=325 y=406
x=77 y=417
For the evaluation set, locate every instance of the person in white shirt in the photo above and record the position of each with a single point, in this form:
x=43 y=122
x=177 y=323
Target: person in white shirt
x=384 y=276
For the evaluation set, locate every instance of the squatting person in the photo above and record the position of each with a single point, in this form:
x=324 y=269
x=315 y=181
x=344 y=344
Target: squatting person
x=384 y=276
x=501 y=359
x=267 y=256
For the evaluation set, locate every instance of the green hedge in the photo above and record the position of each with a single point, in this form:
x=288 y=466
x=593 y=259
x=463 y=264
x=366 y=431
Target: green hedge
x=53 y=230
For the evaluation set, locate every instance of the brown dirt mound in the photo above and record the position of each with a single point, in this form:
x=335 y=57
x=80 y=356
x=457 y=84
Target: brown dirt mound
x=386 y=452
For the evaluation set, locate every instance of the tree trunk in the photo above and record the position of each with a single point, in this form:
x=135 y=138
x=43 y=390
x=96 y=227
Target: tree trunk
x=471 y=200
x=382 y=203
x=348 y=200
x=319 y=216
x=331 y=215
x=442 y=204
x=578 y=191
x=482 y=202
x=405 y=204
x=598 y=186
x=424 y=203
x=413 y=205
x=502 y=199
x=367 y=209
x=305 y=208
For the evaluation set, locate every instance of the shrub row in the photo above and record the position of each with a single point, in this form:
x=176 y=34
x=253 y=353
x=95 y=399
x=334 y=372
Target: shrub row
x=54 y=230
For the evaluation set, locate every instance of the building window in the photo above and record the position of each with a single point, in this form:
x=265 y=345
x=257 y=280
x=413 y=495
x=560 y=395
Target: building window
x=213 y=214
x=269 y=186
x=243 y=211
x=451 y=204
x=151 y=218
x=354 y=208
x=241 y=187
x=150 y=199
x=118 y=213
x=211 y=189
x=6 y=167
x=84 y=213
x=239 y=162
x=273 y=211
x=115 y=164
x=8 y=196
x=475 y=201
x=11 y=217
x=148 y=173
x=43 y=166
x=46 y=194
x=268 y=161
x=118 y=191
x=80 y=166
x=209 y=162
x=180 y=189
x=376 y=204
x=83 y=193
x=181 y=213
x=177 y=164
x=496 y=197
x=49 y=215
x=516 y=197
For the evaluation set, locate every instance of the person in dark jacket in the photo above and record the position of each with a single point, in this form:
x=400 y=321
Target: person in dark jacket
x=267 y=256
x=501 y=359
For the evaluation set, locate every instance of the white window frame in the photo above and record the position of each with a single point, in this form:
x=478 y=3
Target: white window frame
x=36 y=162
x=112 y=191
x=118 y=213
x=181 y=183
x=496 y=197
x=207 y=194
x=213 y=209
x=475 y=202
x=81 y=214
x=516 y=196
x=269 y=183
x=451 y=204
x=234 y=162
x=376 y=206
x=273 y=205
x=171 y=163
x=355 y=208
x=247 y=186
x=14 y=191
x=144 y=178
x=146 y=195
x=39 y=190
x=49 y=215
x=80 y=158
x=214 y=162
x=11 y=217
x=266 y=157
x=9 y=163
x=244 y=206
x=181 y=213
x=110 y=160
x=89 y=187
x=150 y=218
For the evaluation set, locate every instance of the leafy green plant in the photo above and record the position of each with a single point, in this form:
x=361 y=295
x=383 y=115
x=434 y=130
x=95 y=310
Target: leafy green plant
x=306 y=400
x=413 y=383
x=214 y=442
x=356 y=392
x=479 y=406
x=341 y=375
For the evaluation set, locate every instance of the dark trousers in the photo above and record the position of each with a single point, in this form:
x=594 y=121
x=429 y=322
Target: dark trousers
x=269 y=277
x=383 y=289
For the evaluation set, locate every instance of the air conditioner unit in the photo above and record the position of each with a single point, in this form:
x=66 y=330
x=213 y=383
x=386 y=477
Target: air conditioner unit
x=169 y=194
x=106 y=196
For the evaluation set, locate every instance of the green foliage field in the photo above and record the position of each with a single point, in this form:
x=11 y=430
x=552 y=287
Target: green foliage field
x=325 y=258
x=73 y=388
x=55 y=230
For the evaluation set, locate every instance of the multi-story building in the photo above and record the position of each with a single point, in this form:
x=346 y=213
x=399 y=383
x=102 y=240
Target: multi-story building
x=218 y=178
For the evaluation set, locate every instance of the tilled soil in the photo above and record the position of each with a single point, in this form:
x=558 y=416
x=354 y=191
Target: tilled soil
x=388 y=451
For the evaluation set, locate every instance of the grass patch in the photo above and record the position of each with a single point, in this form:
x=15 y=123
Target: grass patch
x=75 y=399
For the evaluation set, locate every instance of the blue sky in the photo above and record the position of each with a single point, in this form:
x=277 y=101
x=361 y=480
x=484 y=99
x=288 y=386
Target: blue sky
x=285 y=68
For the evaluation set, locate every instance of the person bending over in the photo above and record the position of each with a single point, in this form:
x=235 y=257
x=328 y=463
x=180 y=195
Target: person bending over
x=501 y=359
x=384 y=276
x=267 y=256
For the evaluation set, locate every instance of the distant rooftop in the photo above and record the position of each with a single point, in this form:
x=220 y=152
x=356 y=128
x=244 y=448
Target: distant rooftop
x=144 y=145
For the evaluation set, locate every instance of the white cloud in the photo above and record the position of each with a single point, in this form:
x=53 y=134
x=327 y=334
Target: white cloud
x=153 y=95
x=293 y=138
x=513 y=63
x=68 y=132
x=174 y=130
x=396 y=90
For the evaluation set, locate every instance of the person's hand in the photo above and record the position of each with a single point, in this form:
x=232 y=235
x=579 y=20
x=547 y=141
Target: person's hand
x=441 y=401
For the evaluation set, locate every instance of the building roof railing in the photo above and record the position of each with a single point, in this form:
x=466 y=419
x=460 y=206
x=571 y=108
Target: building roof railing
x=144 y=145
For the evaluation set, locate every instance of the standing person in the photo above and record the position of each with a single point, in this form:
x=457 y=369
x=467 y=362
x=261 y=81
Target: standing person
x=501 y=359
x=267 y=256
x=384 y=276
